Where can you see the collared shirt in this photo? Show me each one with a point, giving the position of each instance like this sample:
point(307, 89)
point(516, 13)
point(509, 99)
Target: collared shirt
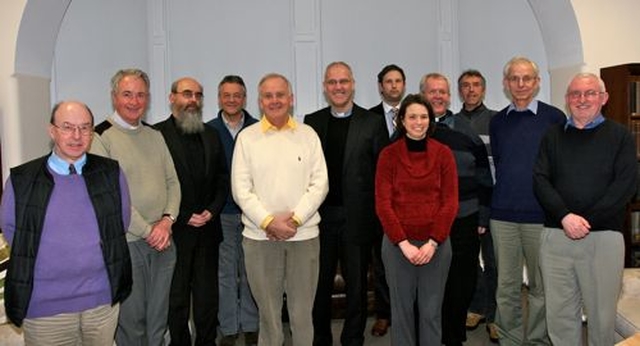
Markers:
point(60, 166)
point(599, 119)
point(532, 106)
point(389, 116)
point(266, 125)
point(343, 114)
point(233, 130)
point(118, 119)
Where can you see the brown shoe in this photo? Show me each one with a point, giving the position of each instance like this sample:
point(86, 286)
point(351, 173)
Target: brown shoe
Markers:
point(473, 320)
point(492, 329)
point(381, 327)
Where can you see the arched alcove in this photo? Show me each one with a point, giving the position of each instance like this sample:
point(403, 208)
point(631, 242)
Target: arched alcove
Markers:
point(42, 20)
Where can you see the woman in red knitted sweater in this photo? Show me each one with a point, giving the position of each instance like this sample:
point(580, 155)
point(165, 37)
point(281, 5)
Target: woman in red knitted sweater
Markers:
point(417, 202)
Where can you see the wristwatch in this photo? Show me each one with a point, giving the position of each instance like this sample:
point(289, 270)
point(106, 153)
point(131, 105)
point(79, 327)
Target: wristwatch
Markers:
point(173, 219)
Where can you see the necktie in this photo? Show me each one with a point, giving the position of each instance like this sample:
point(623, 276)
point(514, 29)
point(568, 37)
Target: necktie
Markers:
point(72, 169)
point(394, 112)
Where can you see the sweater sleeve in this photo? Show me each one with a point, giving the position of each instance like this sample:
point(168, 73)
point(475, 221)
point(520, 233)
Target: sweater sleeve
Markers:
point(172, 182)
point(242, 185)
point(384, 194)
point(622, 186)
point(547, 195)
point(125, 200)
point(449, 204)
point(8, 212)
point(318, 182)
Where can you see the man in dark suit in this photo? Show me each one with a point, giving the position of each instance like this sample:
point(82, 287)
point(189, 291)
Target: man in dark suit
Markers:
point(391, 84)
point(352, 138)
point(199, 160)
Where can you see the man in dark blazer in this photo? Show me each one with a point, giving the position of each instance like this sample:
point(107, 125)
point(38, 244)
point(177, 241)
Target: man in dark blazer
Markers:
point(199, 160)
point(352, 138)
point(392, 85)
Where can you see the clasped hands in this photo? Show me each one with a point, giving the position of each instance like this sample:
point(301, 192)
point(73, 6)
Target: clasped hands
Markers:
point(282, 227)
point(575, 226)
point(418, 255)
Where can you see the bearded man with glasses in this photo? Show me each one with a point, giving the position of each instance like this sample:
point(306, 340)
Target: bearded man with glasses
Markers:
point(198, 157)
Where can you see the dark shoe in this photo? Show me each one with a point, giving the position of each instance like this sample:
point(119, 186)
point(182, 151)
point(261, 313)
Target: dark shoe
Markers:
point(380, 327)
point(228, 340)
point(251, 338)
point(473, 320)
point(492, 329)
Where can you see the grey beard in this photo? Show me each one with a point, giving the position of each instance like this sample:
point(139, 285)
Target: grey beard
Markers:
point(190, 122)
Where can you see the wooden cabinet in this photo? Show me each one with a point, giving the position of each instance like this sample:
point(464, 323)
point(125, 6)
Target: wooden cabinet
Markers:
point(623, 86)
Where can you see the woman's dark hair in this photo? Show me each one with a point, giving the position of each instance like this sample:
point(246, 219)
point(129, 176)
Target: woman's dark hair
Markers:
point(408, 101)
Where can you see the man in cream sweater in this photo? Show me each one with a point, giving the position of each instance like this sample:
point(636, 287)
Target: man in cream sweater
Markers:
point(279, 179)
point(155, 200)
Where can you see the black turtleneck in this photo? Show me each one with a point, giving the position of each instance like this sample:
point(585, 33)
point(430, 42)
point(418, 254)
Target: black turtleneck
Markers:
point(416, 145)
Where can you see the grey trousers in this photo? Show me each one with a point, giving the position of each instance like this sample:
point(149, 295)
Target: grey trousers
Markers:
point(585, 272)
point(144, 314)
point(422, 286)
point(278, 267)
point(515, 244)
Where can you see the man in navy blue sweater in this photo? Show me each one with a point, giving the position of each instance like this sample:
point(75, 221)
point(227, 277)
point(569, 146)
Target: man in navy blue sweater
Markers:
point(237, 312)
point(585, 175)
point(516, 216)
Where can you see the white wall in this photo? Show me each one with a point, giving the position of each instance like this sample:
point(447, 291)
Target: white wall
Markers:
point(609, 32)
point(609, 37)
point(438, 34)
point(209, 39)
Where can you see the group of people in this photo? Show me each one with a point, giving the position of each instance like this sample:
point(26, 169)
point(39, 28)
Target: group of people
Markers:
point(126, 230)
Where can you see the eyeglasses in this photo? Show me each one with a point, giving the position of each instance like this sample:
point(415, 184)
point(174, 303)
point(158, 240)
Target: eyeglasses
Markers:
point(69, 129)
point(523, 79)
point(589, 94)
point(189, 94)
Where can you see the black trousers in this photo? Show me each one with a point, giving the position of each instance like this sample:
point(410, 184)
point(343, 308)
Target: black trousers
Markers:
point(195, 277)
point(461, 282)
point(354, 261)
point(381, 288)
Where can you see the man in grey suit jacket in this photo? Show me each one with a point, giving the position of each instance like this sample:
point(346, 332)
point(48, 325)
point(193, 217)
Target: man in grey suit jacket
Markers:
point(352, 138)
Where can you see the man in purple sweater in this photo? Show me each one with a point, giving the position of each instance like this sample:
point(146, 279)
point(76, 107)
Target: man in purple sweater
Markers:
point(65, 215)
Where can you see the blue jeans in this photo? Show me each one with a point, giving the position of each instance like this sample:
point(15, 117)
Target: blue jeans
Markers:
point(237, 311)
